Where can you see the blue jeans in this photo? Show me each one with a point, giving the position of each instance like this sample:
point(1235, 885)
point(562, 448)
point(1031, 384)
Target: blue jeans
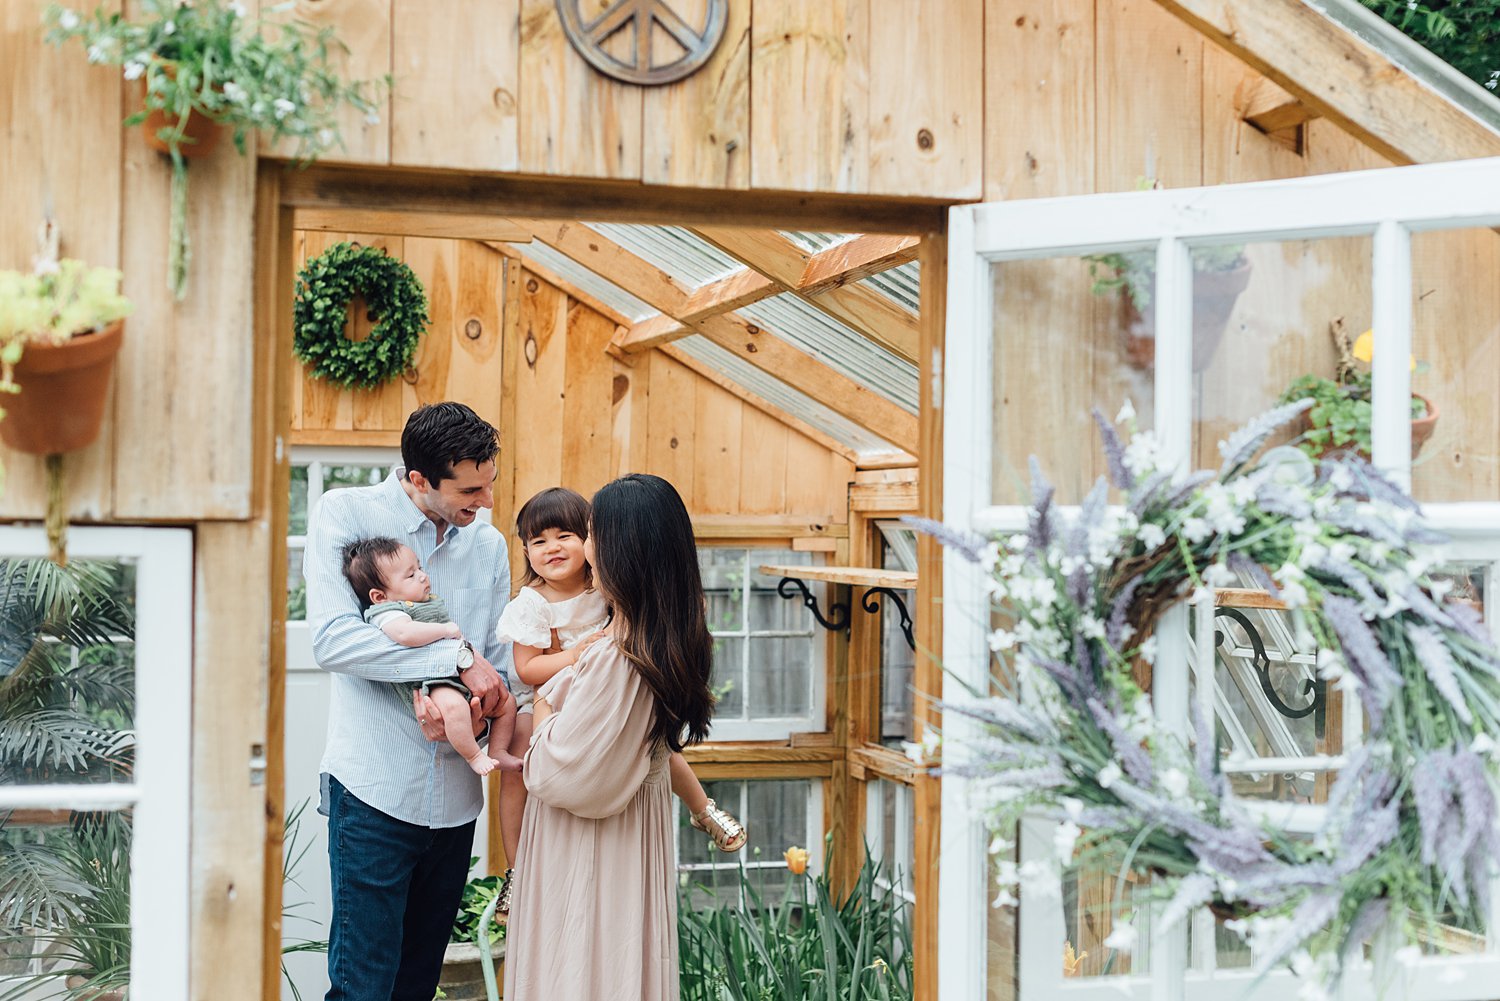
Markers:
point(396, 889)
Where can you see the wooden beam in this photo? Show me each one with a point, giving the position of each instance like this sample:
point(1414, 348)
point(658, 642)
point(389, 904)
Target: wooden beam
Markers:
point(767, 526)
point(1269, 109)
point(859, 307)
point(826, 271)
point(766, 407)
point(1341, 77)
point(384, 222)
point(755, 344)
point(556, 280)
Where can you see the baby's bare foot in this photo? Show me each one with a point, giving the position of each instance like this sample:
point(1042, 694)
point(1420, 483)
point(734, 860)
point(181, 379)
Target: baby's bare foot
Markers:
point(483, 764)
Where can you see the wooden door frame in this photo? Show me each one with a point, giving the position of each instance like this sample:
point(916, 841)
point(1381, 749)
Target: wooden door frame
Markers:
point(461, 197)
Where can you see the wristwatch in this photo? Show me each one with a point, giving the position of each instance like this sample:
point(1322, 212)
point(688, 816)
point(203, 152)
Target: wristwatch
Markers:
point(465, 656)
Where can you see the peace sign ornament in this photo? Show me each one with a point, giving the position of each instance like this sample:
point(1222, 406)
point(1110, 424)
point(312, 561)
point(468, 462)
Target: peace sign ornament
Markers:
point(641, 17)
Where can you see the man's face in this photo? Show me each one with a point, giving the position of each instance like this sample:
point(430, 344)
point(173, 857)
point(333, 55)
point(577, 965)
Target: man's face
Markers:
point(458, 498)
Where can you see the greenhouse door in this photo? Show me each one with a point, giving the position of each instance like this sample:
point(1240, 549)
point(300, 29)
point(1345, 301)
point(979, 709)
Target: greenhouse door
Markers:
point(95, 710)
point(1199, 308)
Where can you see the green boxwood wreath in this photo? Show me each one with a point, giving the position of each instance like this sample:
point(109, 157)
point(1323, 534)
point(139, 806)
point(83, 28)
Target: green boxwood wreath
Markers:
point(325, 287)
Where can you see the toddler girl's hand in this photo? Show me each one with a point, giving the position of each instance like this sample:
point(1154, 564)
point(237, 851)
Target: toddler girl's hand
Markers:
point(584, 644)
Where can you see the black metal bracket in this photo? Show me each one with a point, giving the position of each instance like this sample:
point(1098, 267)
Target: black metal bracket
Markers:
point(1317, 688)
point(838, 616)
point(838, 610)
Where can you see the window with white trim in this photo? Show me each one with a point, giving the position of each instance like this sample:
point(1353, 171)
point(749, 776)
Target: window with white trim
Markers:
point(315, 471)
point(768, 651)
point(778, 814)
point(1233, 292)
point(95, 695)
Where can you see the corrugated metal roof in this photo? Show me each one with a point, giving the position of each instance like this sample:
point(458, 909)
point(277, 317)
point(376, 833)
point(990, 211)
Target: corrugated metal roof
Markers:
point(606, 292)
point(682, 255)
point(900, 284)
point(779, 394)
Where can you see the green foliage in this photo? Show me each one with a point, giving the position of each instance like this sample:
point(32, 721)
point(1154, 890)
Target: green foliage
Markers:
point(1340, 414)
point(478, 892)
point(272, 76)
point(1463, 33)
point(810, 945)
point(390, 289)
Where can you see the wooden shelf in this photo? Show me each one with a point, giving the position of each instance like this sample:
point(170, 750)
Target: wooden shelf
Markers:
point(858, 576)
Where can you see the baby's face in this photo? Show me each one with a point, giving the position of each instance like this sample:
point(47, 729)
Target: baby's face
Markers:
point(405, 580)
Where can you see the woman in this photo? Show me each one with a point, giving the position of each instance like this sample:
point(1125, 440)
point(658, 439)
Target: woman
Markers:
point(594, 912)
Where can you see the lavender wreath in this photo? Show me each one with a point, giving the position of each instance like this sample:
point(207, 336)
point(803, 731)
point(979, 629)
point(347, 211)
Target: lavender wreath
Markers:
point(1409, 835)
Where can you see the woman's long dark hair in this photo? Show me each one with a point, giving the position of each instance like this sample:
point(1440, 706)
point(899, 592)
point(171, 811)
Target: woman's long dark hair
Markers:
point(646, 564)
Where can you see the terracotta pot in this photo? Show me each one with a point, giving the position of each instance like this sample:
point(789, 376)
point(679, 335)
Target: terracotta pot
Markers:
point(1421, 430)
point(75, 982)
point(463, 975)
point(200, 135)
point(1214, 296)
point(63, 388)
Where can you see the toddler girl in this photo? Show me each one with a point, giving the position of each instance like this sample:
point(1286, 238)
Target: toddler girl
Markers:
point(555, 617)
point(397, 597)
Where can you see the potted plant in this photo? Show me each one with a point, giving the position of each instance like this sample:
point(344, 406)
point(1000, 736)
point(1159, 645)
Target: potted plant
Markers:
point(463, 969)
point(1220, 275)
point(60, 329)
point(1339, 419)
point(205, 66)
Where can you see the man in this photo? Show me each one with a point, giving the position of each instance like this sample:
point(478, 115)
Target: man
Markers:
point(400, 805)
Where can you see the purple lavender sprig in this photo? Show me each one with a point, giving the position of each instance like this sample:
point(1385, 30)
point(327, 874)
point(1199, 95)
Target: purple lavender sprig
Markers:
point(1246, 441)
point(1114, 453)
point(969, 545)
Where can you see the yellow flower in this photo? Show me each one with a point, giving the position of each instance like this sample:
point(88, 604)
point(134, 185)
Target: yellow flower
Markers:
point(1072, 961)
point(1364, 349)
point(796, 860)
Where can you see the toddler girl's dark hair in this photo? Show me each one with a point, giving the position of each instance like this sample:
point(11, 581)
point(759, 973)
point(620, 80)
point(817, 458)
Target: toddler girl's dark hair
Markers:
point(556, 507)
point(362, 565)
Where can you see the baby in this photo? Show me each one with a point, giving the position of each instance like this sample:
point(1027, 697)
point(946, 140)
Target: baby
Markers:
point(397, 597)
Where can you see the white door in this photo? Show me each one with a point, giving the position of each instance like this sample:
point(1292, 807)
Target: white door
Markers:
point(1200, 306)
point(95, 685)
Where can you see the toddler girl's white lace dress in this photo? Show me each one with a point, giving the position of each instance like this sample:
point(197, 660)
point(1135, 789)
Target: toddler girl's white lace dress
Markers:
point(530, 619)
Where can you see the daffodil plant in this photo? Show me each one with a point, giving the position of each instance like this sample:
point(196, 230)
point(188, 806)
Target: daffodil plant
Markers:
point(1341, 411)
point(208, 57)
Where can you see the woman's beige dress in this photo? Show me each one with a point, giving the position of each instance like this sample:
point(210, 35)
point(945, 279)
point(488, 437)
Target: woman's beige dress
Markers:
point(594, 912)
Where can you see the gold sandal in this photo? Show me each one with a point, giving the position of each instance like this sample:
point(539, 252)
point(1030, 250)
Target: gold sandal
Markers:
point(727, 833)
point(502, 909)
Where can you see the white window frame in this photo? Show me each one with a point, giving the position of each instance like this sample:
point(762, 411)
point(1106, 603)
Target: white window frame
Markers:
point(773, 727)
point(769, 858)
point(898, 873)
point(159, 792)
point(1389, 205)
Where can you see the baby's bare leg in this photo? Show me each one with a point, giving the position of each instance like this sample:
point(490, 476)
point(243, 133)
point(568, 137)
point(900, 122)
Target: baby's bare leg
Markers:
point(686, 785)
point(502, 729)
point(458, 725)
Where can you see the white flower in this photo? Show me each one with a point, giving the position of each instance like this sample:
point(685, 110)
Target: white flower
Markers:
point(1109, 775)
point(1290, 578)
point(282, 107)
point(1152, 535)
point(98, 52)
point(1483, 744)
point(1002, 639)
point(1063, 840)
point(1091, 627)
point(913, 751)
point(1330, 665)
point(1196, 529)
point(237, 9)
point(1127, 411)
point(1073, 808)
point(1142, 452)
point(1005, 899)
point(989, 556)
point(1148, 650)
point(1219, 575)
point(1123, 937)
point(999, 844)
point(1174, 783)
point(67, 20)
point(234, 92)
point(133, 69)
point(170, 28)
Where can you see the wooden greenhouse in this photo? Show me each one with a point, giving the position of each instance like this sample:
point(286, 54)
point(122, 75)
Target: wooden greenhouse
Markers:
point(845, 272)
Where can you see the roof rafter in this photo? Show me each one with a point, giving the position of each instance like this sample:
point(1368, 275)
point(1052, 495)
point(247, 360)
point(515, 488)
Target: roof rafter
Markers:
point(1340, 76)
point(731, 331)
point(829, 273)
point(819, 279)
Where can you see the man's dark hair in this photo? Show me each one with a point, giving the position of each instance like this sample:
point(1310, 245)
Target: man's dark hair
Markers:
point(362, 566)
point(439, 435)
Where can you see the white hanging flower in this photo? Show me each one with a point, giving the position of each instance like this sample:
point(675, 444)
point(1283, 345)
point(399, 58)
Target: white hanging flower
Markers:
point(1122, 937)
point(1148, 650)
point(282, 107)
point(67, 20)
point(234, 92)
point(1005, 899)
point(98, 52)
point(1002, 639)
point(133, 69)
point(1109, 775)
point(1064, 839)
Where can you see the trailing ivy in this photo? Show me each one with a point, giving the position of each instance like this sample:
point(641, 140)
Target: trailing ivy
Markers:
point(1463, 33)
point(390, 289)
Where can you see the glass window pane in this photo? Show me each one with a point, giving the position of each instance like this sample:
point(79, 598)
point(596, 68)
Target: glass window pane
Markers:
point(1456, 353)
point(897, 659)
point(775, 812)
point(1070, 334)
point(66, 907)
point(67, 670)
point(298, 498)
point(728, 677)
point(296, 585)
point(780, 676)
point(353, 476)
point(1264, 322)
point(723, 573)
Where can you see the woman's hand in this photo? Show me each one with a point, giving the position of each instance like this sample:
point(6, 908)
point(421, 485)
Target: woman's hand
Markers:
point(584, 644)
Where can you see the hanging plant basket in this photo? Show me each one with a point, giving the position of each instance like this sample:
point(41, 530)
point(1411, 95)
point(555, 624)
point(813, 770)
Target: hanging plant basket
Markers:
point(327, 285)
point(1214, 296)
point(200, 134)
point(60, 407)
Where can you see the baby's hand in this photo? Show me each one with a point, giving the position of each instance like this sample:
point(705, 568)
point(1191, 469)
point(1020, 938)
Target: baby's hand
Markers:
point(454, 632)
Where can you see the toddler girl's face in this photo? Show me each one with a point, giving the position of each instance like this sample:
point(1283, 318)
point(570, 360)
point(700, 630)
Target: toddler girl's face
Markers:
point(405, 580)
point(556, 555)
